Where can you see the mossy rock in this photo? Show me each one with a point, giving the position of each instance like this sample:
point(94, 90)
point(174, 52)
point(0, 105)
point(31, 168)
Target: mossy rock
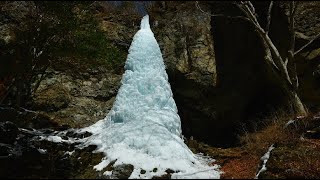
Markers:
point(52, 98)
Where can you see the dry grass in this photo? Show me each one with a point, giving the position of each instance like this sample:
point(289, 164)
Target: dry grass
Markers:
point(293, 157)
point(273, 132)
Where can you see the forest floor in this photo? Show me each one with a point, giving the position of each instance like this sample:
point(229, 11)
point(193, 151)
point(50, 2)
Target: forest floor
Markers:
point(296, 153)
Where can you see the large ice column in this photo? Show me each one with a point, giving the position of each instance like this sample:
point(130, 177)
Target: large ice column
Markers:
point(145, 93)
point(143, 127)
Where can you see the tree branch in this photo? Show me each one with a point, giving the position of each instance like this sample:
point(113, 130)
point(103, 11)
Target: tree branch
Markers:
point(276, 58)
point(316, 37)
point(291, 25)
point(289, 62)
point(251, 7)
point(277, 61)
point(8, 90)
point(249, 13)
point(269, 17)
point(40, 79)
point(221, 15)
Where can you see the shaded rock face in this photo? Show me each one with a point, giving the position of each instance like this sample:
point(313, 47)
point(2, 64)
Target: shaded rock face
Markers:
point(76, 101)
point(28, 119)
point(245, 91)
point(186, 43)
point(309, 76)
point(12, 16)
point(308, 61)
point(308, 72)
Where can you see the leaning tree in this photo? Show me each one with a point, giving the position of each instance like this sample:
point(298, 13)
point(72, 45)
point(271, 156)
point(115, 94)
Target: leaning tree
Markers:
point(282, 67)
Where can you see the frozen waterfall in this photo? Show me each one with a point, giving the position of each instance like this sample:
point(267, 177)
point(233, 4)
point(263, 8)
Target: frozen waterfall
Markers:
point(143, 127)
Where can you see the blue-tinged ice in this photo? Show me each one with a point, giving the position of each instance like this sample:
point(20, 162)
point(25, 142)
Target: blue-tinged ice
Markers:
point(143, 127)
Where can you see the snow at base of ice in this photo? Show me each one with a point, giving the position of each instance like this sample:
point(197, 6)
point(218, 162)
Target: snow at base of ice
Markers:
point(143, 127)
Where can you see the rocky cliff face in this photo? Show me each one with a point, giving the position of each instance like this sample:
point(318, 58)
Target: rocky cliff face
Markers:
point(186, 43)
point(76, 101)
point(215, 68)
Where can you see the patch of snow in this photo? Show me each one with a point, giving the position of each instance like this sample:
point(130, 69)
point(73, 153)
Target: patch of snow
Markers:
point(265, 158)
point(42, 151)
point(288, 123)
point(101, 165)
point(107, 173)
point(143, 127)
point(205, 159)
point(69, 153)
point(56, 139)
point(300, 117)
point(39, 53)
point(27, 110)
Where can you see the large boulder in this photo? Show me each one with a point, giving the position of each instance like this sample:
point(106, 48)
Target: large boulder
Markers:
point(76, 101)
point(52, 98)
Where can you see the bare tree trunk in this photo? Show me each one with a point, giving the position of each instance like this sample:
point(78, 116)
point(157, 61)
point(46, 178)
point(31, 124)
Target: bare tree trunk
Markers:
point(287, 74)
point(296, 104)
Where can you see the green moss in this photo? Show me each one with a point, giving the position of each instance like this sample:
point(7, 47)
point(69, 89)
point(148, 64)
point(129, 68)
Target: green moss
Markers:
point(81, 39)
point(96, 50)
